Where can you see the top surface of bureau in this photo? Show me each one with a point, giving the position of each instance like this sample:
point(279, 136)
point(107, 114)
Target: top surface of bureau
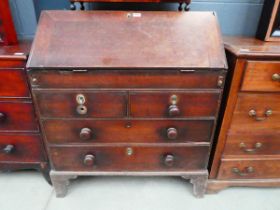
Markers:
point(124, 40)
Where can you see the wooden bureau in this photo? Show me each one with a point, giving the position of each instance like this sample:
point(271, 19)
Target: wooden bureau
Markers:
point(21, 146)
point(125, 93)
point(248, 147)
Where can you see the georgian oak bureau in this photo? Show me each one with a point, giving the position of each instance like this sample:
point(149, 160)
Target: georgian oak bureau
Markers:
point(125, 93)
point(248, 149)
point(21, 146)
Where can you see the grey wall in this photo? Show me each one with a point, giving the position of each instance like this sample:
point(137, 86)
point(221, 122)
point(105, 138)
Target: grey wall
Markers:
point(237, 17)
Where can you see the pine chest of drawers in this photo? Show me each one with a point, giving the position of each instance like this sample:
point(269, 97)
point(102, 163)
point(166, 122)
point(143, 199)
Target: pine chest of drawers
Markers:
point(124, 93)
point(248, 147)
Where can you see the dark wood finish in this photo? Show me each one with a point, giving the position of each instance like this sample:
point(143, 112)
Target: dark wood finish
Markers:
point(248, 139)
point(269, 25)
point(147, 103)
point(120, 78)
point(13, 83)
point(189, 104)
point(102, 104)
point(21, 146)
point(26, 148)
point(17, 116)
point(7, 31)
point(150, 46)
point(260, 168)
point(126, 131)
point(144, 158)
point(259, 76)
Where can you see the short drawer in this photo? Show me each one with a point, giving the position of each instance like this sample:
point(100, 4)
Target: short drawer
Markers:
point(127, 131)
point(20, 148)
point(253, 144)
point(249, 169)
point(17, 116)
point(126, 79)
point(174, 104)
point(117, 158)
point(81, 104)
point(262, 76)
point(256, 112)
point(13, 83)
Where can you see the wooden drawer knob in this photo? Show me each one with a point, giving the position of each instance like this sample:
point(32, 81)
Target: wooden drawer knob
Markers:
point(169, 160)
point(172, 133)
point(86, 134)
point(9, 149)
point(247, 171)
point(89, 160)
point(173, 110)
point(2, 117)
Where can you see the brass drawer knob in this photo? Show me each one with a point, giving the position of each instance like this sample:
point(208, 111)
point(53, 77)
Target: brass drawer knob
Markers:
point(86, 134)
point(9, 149)
point(276, 77)
point(89, 160)
point(169, 160)
point(129, 151)
point(2, 117)
point(257, 146)
point(173, 110)
point(253, 113)
point(247, 171)
point(172, 133)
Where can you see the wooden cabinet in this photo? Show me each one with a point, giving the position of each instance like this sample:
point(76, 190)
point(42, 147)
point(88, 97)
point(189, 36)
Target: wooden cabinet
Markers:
point(248, 147)
point(116, 104)
point(21, 146)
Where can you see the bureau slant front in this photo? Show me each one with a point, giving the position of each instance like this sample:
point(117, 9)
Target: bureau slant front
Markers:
point(125, 93)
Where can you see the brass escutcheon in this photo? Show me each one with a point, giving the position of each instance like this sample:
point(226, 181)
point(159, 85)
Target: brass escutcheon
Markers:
point(81, 99)
point(129, 151)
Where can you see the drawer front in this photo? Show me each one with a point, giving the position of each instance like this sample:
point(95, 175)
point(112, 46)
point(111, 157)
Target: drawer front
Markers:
point(249, 169)
point(13, 83)
point(256, 112)
point(180, 158)
point(262, 76)
point(17, 116)
point(174, 104)
point(12, 63)
point(64, 104)
point(20, 148)
point(133, 131)
point(253, 144)
point(126, 79)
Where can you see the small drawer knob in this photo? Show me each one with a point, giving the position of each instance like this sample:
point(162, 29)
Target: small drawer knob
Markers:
point(9, 149)
point(2, 117)
point(89, 160)
point(169, 160)
point(276, 77)
point(173, 110)
point(81, 109)
point(86, 134)
point(172, 133)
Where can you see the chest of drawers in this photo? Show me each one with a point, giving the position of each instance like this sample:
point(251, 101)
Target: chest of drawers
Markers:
point(123, 93)
point(21, 146)
point(248, 147)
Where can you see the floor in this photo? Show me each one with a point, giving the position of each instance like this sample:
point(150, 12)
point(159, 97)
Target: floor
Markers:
point(28, 190)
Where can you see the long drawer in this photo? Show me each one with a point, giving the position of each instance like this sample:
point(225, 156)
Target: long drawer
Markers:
point(90, 158)
point(13, 83)
point(17, 116)
point(262, 76)
point(256, 112)
point(173, 104)
point(127, 131)
point(264, 143)
point(126, 79)
point(249, 168)
point(20, 148)
point(82, 104)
